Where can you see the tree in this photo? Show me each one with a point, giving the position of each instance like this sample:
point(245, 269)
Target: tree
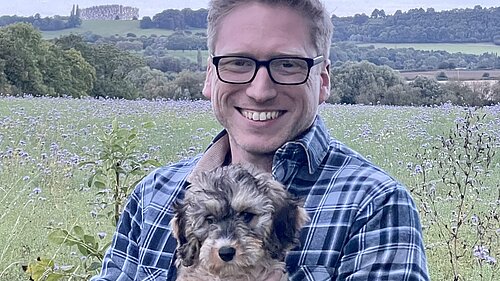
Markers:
point(22, 50)
point(429, 90)
point(375, 14)
point(112, 66)
point(363, 82)
point(38, 67)
point(67, 73)
point(169, 19)
point(146, 23)
point(189, 85)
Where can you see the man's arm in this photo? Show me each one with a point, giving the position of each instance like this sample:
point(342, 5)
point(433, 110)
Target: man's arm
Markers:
point(121, 259)
point(387, 242)
point(383, 241)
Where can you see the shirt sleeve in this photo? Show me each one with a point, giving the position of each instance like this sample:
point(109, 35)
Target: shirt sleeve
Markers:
point(386, 240)
point(121, 259)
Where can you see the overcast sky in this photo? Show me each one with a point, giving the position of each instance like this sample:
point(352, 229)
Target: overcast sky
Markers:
point(152, 7)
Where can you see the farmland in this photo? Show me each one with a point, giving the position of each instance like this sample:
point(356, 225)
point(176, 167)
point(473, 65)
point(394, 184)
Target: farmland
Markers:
point(466, 48)
point(42, 141)
point(122, 27)
point(107, 28)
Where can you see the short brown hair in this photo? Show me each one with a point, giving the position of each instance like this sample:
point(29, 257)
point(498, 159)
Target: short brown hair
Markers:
point(313, 10)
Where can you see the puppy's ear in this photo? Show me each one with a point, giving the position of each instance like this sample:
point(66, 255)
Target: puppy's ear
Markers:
point(288, 220)
point(188, 247)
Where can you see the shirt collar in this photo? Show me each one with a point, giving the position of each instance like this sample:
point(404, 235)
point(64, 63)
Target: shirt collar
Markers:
point(314, 142)
point(215, 156)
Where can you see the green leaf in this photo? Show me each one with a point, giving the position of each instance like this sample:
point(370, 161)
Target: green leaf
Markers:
point(54, 277)
point(114, 124)
point(89, 239)
point(58, 236)
point(152, 162)
point(117, 148)
point(99, 184)
point(78, 230)
point(149, 125)
point(91, 179)
point(83, 250)
point(94, 266)
point(132, 137)
point(81, 164)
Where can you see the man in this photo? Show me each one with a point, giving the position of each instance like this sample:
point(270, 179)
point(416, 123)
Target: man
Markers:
point(267, 75)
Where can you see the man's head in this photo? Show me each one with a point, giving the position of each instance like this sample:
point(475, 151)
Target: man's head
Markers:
point(320, 24)
point(266, 74)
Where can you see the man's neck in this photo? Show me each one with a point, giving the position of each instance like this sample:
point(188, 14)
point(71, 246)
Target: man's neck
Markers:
point(263, 162)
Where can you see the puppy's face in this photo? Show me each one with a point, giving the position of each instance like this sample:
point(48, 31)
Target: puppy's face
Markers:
point(233, 218)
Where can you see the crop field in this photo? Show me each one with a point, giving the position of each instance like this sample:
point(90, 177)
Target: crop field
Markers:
point(108, 28)
point(456, 74)
point(43, 184)
point(466, 48)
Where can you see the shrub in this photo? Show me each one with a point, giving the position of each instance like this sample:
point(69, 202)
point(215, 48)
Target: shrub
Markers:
point(441, 76)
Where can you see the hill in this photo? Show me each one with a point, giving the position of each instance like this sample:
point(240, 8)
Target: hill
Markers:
point(107, 28)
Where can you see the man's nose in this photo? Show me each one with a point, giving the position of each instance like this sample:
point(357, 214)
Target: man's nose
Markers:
point(262, 87)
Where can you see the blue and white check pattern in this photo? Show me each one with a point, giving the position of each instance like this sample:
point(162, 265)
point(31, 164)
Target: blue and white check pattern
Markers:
point(364, 224)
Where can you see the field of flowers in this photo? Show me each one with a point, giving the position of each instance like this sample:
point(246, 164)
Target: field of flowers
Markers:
point(447, 156)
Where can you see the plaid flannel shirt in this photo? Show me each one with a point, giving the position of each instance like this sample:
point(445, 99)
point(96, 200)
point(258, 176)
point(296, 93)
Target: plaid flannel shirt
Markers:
point(363, 224)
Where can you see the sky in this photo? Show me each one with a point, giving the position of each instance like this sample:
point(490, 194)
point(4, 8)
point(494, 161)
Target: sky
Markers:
point(152, 7)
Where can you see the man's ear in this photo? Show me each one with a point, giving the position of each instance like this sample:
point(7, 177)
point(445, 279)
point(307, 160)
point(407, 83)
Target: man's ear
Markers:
point(207, 87)
point(324, 91)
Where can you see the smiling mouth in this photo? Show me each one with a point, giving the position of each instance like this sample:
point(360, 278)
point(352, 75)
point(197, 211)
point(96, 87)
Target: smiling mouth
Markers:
point(260, 115)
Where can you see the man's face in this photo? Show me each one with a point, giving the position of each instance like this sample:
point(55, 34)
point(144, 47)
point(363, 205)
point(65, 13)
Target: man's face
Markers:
point(260, 116)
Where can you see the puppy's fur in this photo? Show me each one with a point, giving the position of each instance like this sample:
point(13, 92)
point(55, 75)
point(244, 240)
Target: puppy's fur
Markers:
point(235, 223)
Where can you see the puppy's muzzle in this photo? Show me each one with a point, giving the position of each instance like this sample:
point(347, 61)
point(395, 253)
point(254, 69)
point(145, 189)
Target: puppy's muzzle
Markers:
point(227, 253)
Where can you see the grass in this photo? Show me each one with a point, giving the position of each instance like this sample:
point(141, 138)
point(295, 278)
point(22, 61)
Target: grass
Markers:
point(42, 139)
point(466, 48)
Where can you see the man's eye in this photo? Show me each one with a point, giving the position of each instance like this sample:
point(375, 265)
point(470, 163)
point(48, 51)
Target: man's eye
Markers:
point(290, 64)
point(240, 63)
point(246, 216)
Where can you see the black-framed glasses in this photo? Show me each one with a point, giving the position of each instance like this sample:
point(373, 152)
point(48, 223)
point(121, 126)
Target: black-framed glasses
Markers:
point(282, 70)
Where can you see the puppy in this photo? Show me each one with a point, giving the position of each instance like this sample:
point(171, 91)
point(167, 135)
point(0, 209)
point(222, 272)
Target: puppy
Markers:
point(235, 223)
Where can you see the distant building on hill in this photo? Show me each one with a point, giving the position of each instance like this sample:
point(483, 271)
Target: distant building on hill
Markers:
point(109, 12)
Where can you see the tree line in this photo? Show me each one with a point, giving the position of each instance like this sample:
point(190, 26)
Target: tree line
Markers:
point(174, 19)
point(409, 59)
point(109, 12)
point(469, 25)
point(366, 83)
point(415, 25)
point(156, 49)
point(46, 23)
point(69, 66)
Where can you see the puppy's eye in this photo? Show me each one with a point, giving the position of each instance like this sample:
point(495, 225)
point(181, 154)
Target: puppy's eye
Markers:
point(210, 220)
point(246, 216)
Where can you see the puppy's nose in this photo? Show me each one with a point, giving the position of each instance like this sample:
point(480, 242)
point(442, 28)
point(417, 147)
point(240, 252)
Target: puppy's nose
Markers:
point(227, 253)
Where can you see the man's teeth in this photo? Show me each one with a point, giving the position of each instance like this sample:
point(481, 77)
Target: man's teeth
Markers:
point(260, 116)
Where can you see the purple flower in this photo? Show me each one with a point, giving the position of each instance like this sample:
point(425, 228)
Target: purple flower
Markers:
point(483, 254)
point(101, 234)
point(418, 169)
